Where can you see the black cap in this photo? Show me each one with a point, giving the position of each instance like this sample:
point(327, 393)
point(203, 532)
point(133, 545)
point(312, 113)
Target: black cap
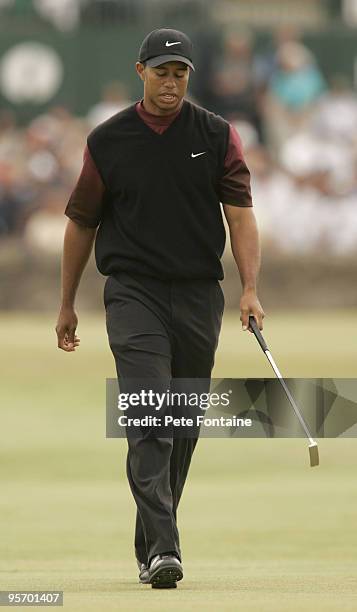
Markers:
point(165, 45)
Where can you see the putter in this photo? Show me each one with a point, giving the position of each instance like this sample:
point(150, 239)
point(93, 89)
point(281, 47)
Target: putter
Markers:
point(313, 448)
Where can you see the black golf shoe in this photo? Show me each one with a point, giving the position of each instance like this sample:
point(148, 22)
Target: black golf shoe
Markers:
point(143, 573)
point(165, 571)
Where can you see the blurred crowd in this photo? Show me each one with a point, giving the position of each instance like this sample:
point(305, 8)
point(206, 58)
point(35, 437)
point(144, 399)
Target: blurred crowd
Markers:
point(299, 132)
point(299, 135)
point(68, 15)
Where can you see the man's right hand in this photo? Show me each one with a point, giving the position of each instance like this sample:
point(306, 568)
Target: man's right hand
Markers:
point(66, 328)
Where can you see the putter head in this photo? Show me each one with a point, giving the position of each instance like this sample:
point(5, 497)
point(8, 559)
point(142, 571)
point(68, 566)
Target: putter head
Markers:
point(314, 454)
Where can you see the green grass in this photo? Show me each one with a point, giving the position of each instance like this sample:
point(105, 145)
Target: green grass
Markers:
point(260, 530)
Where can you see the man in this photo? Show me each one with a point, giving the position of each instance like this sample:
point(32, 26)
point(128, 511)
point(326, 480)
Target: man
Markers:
point(153, 179)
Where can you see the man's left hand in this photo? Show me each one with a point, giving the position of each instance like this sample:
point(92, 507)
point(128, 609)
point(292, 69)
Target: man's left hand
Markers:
point(250, 305)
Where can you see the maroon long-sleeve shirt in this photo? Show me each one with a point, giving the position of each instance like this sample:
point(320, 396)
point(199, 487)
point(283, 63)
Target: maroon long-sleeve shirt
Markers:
point(87, 199)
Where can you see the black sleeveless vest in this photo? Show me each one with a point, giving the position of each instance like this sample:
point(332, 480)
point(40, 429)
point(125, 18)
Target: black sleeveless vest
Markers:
point(161, 214)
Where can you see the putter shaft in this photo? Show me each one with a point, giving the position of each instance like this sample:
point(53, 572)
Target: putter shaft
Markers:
point(313, 448)
point(289, 396)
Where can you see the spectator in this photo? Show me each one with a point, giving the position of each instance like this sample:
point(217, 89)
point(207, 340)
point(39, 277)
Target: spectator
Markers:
point(325, 152)
point(13, 201)
point(265, 64)
point(64, 15)
point(233, 86)
point(44, 231)
point(114, 99)
point(293, 90)
point(335, 117)
point(297, 82)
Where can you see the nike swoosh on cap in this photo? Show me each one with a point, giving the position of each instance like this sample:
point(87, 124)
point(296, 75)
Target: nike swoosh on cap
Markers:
point(197, 154)
point(169, 44)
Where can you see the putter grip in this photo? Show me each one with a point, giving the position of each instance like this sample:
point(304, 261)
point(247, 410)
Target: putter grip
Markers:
point(256, 331)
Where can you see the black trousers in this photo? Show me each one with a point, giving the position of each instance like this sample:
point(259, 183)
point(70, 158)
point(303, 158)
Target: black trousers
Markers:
point(161, 330)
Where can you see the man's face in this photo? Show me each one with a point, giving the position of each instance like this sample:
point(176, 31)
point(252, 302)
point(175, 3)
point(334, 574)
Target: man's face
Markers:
point(165, 85)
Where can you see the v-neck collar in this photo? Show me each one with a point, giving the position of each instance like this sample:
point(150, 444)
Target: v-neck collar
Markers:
point(169, 129)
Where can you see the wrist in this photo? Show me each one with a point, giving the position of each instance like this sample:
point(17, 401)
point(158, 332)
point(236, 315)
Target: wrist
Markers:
point(67, 305)
point(249, 289)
